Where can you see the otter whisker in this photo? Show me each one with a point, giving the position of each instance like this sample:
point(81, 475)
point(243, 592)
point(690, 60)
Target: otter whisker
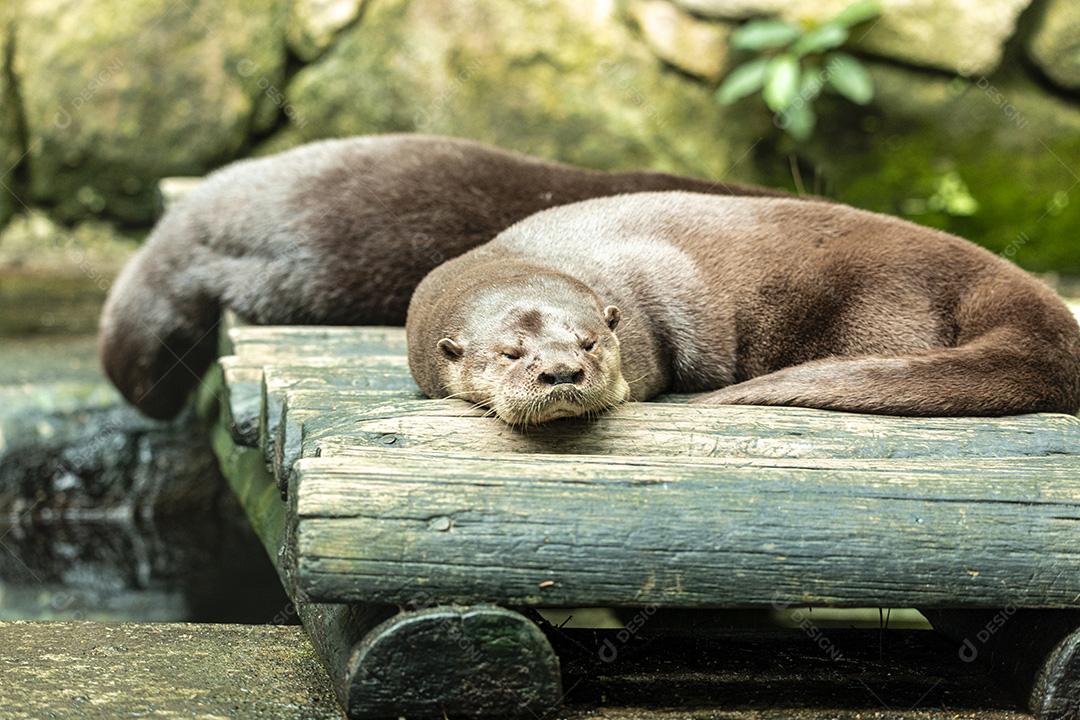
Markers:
point(456, 395)
point(476, 406)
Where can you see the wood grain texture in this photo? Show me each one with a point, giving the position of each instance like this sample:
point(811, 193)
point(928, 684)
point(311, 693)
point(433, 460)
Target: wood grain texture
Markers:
point(299, 341)
point(330, 424)
point(242, 400)
point(611, 531)
point(693, 430)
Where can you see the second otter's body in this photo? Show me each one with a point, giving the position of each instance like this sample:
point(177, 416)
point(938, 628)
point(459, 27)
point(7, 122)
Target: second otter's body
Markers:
point(764, 301)
point(334, 232)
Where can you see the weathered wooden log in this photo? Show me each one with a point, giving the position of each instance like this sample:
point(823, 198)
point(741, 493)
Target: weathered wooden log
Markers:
point(610, 531)
point(478, 661)
point(248, 350)
point(317, 422)
point(276, 341)
point(366, 380)
point(242, 396)
point(689, 430)
point(1035, 652)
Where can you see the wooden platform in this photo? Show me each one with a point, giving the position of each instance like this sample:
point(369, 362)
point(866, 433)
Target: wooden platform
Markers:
point(372, 499)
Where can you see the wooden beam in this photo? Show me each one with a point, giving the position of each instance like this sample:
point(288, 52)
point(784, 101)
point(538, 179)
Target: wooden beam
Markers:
point(314, 341)
point(317, 422)
point(613, 531)
point(685, 430)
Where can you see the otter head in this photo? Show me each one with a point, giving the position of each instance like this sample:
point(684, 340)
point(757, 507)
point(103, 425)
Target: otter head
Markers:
point(534, 362)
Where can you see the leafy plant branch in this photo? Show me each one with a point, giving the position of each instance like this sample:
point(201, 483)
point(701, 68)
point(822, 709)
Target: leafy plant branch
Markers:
point(795, 63)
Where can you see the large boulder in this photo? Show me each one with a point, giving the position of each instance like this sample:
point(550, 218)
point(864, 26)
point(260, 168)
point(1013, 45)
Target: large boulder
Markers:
point(117, 93)
point(313, 24)
point(1055, 43)
point(557, 78)
point(990, 159)
point(694, 46)
point(965, 36)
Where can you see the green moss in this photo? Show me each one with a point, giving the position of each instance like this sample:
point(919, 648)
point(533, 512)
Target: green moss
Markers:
point(929, 141)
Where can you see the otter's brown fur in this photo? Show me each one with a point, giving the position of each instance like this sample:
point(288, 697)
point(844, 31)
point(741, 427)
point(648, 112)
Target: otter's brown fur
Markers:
point(766, 302)
point(335, 232)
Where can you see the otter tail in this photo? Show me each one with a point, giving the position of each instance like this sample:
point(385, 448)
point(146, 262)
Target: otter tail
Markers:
point(1006, 371)
point(157, 334)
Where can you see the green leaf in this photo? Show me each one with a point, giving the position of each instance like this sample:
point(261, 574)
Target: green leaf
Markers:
point(798, 121)
point(781, 82)
point(849, 78)
point(826, 37)
point(764, 35)
point(744, 80)
point(857, 12)
point(812, 82)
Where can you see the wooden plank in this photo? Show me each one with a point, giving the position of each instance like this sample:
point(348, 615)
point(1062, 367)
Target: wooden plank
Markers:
point(336, 380)
point(242, 390)
point(326, 423)
point(371, 380)
point(302, 342)
point(695, 430)
point(612, 531)
point(350, 355)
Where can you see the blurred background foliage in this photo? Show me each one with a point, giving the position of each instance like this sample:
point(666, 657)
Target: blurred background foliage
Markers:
point(960, 114)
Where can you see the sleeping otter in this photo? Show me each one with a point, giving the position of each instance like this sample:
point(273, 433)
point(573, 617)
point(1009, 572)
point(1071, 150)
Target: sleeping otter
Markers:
point(335, 232)
point(764, 301)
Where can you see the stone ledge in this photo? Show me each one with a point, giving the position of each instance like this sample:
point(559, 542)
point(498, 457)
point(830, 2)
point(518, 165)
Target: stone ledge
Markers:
point(205, 671)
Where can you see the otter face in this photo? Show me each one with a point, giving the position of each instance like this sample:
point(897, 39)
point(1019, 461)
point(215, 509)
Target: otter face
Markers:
point(531, 365)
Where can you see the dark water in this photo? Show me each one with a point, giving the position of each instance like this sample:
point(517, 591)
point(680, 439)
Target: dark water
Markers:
point(205, 568)
point(105, 515)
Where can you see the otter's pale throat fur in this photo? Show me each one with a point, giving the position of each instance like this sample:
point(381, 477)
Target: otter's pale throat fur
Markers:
point(758, 301)
point(336, 232)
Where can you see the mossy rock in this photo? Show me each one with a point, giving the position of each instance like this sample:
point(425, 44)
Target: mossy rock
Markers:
point(946, 34)
point(118, 94)
point(551, 78)
point(989, 159)
point(313, 24)
point(10, 142)
point(1055, 43)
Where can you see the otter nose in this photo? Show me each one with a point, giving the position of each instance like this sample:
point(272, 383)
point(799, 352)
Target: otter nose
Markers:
point(559, 374)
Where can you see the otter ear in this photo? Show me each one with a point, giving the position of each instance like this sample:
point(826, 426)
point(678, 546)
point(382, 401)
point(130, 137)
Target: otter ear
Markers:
point(612, 315)
point(451, 349)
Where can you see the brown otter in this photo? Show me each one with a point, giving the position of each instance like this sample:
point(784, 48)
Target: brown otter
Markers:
point(761, 301)
point(335, 232)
